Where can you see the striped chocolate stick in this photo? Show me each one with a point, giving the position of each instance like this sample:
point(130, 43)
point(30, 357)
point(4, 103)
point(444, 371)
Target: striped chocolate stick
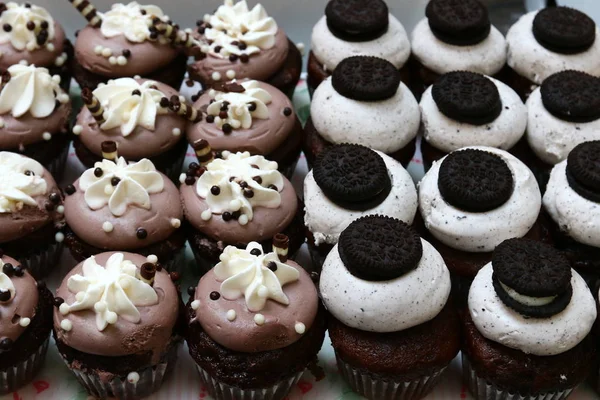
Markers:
point(173, 34)
point(89, 12)
point(93, 104)
point(109, 150)
point(203, 151)
point(281, 243)
point(147, 273)
point(185, 109)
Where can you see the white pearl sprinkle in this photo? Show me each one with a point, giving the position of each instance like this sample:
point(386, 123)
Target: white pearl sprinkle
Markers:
point(112, 60)
point(235, 205)
point(216, 76)
point(59, 237)
point(182, 178)
point(137, 77)
point(106, 52)
point(175, 223)
point(243, 219)
point(206, 215)
point(176, 131)
point(60, 209)
point(47, 136)
point(133, 377)
point(64, 309)
point(50, 47)
point(24, 322)
point(230, 74)
point(100, 306)
point(56, 79)
point(24, 62)
point(231, 315)
point(121, 60)
point(98, 49)
point(63, 98)
point(109, 189)
point(212, 93)
point(259, 319)
point(152, 259)
point(300, 328)
point(77, 129)
point(195, 304)
point(111, 317)
point(66, 325)
point(107, 227)
point(30, 46)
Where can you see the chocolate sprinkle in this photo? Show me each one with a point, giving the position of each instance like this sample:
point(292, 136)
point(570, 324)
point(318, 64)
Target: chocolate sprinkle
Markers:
point(4, 296)
point(190, 180)
point(272, 265)
point(191, 290)
point(19, 271)
point(227, 129)
point(227, 216)
point(141, 233)
point(98, 172)
point(215, 190)
point(215, 295)
point(70, 189)
point(126, 53)
point(115, 181)
point(255, 252)
point(8, 269)
point(7, 28)
point(55, 198)
point(287, 111)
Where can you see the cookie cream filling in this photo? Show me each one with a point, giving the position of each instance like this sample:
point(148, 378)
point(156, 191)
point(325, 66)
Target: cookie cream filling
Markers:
point(481, 231)
point(533, 61)
point(527, 300)
point(537, 336)
point(448, 135)
point(331, 50)
point(486, 57)
point(386, 125)
point(20, 18)
point(240, 107)
point(326, 220)
point(131, 20)
point(20, 181)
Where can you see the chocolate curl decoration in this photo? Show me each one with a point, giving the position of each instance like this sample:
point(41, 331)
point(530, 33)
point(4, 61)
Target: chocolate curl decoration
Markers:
point(147, 273)
point(109, 150)
point(185, 109)
point(93, 104)
point(173, 34)
point(89, 12)
point(281, 243)
point(203, 151)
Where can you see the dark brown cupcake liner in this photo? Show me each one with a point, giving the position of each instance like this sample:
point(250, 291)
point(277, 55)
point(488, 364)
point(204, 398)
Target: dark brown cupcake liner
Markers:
point(40, 262)
point(56, 167)
point(22, 373)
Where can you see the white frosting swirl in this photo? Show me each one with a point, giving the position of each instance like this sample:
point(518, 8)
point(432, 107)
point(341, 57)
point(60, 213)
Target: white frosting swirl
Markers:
point(576, 216)
point(486, 57)
point(481, 231)
point(386, 306)
point(386, 125)
point(238, 114)
point(126, 111)
point(231, 197)
point(6, 284)
point(330, 50)
point(326, 220)
point(552, 138)
point(136, 182)
point(17, 16)
point(535, 62)
point(16, 188)
point(128, 20)
point(235, 22)
point(448, 135)
point(30, 89)
point(112, 291)
point(537, 336)
point(244, 274)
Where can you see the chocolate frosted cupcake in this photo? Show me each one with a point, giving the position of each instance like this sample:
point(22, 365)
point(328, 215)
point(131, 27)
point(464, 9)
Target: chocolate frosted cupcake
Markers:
point(235, 200)
point(25, 324)
point(254, 324)
point(120, 206)
point(526, 331)
point(116, 325)
point(363, 102)
point(236, 42)
point(31, 214)
point(34, 116)
point(134, 113)
point(357, 27)
point(348, 182)
point(474, 199)
point(30, 36)
point(455, 35)
point(393, 328)
point(548, 41)
point(250, 116)
point(128, 40)
point(468, 109)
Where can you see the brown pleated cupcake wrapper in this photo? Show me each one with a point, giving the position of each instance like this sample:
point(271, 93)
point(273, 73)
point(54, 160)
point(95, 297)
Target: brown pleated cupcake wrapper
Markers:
point(484, 390)
point(173, 171)
point(57, 166)
point(22, 373)
point(177, 262)
point(289, 170)
point(40, 262)
point(223, 391)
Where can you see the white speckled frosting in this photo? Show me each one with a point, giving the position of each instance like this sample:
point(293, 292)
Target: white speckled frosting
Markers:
point(330, 50)
point(486, 57)
point(533, 61)
point(386, 306)
point(538, 336)
point(386, 125)
point(326, 220)
point(481, 232)
point(552, 138)
point(448, 135)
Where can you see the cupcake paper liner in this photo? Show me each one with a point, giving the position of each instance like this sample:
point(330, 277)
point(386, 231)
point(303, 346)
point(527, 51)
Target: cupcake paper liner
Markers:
point(223, 391)
point(177, 262)
point(173, 171)
point(40, 262)
point(57, 166)
point(485, 390)
point(375, 388)
point(22, 373)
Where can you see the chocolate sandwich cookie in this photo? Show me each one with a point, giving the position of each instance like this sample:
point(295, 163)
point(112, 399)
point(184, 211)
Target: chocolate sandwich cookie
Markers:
point(458, 22)
point(357, 20)
point(366, 78)
point(572, 96)
point(583, 170)
point(564, 30)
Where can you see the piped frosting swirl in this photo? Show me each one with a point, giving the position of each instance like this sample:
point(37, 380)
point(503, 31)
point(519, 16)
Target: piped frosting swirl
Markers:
point(22, 17)
point(241, 107)
point(130, 20)
point(20, 181)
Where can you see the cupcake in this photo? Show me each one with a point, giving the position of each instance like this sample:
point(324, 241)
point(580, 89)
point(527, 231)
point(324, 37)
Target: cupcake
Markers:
point(363, 102)
point(357, 27)
point(121, 206)
point(129, 40)
point(468, 109)
point(116, 325)
point(34, 116)
point(25, 325)
point(31, 214)
point(135, 114)
point(348, 182)
point(254, 324)
point(250, 116)
point(30, 36)
point(455, 35)
point(236, 42)
point(525, 334)
point(392, 327)
point(237, 199)
point(471, 201)
point(544, 42)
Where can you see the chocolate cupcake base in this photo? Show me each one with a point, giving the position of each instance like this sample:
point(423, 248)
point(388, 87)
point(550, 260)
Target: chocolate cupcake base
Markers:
point(19, 375)
point(52, 154)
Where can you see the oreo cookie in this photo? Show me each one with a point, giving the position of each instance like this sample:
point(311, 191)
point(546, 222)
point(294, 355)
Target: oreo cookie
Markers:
point(352, 176)
point(475, 180)
point(366, 78)
point(467, 97)
point(458, 22)
point(532, 269)
point(357, 20)
point(564, 30)
point(583, 170)
point(378, 248)
point(572, 96)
